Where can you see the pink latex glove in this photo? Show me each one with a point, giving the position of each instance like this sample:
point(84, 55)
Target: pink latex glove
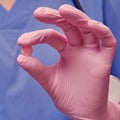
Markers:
point(78, 83)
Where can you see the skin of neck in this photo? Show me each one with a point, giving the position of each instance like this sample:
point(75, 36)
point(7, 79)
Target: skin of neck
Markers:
point(7, 4)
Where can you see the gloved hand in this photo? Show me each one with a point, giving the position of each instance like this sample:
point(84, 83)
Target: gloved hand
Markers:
point(78, 83)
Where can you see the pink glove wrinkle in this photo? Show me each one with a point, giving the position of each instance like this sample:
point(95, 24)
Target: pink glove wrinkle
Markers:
point(78, 83)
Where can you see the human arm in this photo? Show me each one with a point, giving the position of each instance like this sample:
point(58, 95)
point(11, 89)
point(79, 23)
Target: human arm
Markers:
point(78, 83)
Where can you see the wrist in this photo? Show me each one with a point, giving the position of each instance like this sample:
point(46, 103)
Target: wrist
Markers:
point(113, 111)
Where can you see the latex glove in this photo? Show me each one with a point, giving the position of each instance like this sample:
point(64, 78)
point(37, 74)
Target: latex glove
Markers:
point(78, 83)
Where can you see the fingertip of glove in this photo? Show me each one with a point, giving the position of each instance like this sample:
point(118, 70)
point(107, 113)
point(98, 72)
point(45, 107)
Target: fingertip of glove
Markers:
point(44, 11)
point(20, 59)
point(63, 8)
point(21, 40)
point(38, 12)
point(92, 24)
point(47, 15)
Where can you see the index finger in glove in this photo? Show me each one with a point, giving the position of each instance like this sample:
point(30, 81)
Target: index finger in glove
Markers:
point(48, 36)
